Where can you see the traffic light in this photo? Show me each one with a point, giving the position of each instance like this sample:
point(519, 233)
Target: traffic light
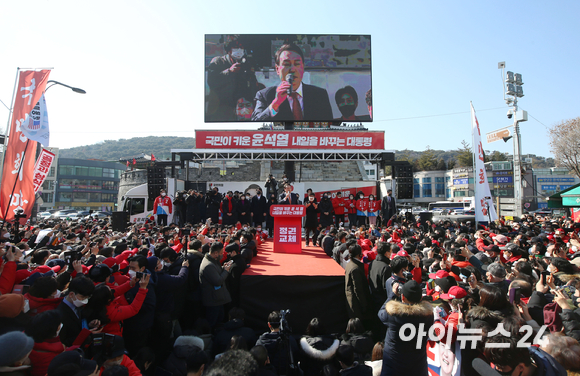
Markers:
point(404, 180)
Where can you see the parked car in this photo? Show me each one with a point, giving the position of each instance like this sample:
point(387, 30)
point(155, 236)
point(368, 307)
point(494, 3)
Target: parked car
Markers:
point(62, 213)
point(43, 215)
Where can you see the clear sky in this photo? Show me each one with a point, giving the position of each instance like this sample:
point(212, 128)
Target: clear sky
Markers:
point(141, 63)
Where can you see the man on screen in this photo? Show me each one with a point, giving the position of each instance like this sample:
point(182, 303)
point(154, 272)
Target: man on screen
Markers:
point(347, 101)
point(292, 99)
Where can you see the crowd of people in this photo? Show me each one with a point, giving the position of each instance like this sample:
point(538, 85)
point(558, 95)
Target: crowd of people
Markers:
point(81, 299)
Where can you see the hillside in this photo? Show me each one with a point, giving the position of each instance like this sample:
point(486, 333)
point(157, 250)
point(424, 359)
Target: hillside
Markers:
point(111, 150)
point(429, 159)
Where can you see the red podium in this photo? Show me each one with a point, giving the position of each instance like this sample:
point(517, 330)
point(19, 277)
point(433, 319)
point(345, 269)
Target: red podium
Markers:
point(287, 227)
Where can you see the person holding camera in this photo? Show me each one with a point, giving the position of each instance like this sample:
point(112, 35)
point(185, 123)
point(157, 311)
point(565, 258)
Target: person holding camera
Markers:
point(271, 185)
point(228, 77)
point(212, 277)
point(394, 284)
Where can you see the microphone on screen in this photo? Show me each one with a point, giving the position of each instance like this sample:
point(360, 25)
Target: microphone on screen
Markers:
point(290, 79)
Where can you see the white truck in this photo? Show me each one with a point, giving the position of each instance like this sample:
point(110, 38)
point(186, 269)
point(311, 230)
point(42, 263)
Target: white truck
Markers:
point(139, 207)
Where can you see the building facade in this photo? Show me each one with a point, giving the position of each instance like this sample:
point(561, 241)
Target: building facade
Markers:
point(87, 184)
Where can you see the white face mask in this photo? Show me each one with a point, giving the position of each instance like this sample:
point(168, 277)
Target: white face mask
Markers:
point(56, 294)
point(132, 273)
point(26, 306)
point(237, 53)
point(79, 303)
point(164, 263)
point(259, 229)
point(371, 199)
point(245, 228)
point(163, 194)
point(311, 198)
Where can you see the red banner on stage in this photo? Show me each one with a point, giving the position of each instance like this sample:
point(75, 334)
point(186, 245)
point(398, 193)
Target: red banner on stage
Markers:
point(295, 140)
point(287, 227)
point(17, 174)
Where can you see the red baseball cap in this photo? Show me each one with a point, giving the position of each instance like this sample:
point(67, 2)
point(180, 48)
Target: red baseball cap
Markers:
point(440, 274)
point(402, 253)
point(454, 292)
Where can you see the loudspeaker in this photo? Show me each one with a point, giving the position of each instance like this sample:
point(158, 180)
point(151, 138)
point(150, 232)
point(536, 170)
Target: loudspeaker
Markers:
point(119, 221)
point(155, 181)
point(404, 179)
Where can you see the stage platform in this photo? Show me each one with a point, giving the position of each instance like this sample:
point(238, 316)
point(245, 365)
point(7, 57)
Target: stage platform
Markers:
point(310, 284)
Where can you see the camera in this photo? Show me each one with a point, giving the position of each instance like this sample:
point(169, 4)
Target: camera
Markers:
point(510, 113)
point(139, 275)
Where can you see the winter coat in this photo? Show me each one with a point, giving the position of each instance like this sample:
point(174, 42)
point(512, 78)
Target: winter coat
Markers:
point(7, 277)
point(43, 353)
point(213, 282)
point(39, 305)
point(362, 343)
point(358, 294)
point(311, 215)
point(226, 209)
point(277, 353)
point(571, 323)
point(166, 286)
point(129, 364)
point(143, 320)
point(183, 348)
point(259, 207)
point(117, 312)
point(231, 328)
point(325, 207)
point(379, 273)
point(402, 357)
point(244, 206)
point(339, 206)
point(357, 370)
point(316, 352)
point(193, 287)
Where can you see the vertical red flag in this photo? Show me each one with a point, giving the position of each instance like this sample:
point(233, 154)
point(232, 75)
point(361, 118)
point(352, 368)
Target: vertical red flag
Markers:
point(134, 161)
point(127, 163)
point(18, 169)
point(152, 157)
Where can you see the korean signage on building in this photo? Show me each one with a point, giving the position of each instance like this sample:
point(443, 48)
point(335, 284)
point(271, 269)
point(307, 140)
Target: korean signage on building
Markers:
point(555, 180)
point(293, 140)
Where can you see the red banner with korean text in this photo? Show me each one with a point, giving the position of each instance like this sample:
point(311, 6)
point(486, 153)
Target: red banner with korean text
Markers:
point(42, 168)
point(292, 140)
point(17, 174)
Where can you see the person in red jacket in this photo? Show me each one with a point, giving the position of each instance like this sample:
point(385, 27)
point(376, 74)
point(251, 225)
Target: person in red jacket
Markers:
point(374, 207)
point(162, 207)
point(44, 329)
point(339, 206)
point(8, 269)
point(107, 305)
point(117, 357)
point(350, 209)
point(362, 205)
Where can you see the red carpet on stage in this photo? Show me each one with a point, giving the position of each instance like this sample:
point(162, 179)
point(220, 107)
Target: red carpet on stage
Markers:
point(311, 262)
point(310, 284)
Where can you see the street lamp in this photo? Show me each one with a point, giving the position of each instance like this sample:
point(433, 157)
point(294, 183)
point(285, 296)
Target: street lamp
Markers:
point(513, 89)
point(75, 89)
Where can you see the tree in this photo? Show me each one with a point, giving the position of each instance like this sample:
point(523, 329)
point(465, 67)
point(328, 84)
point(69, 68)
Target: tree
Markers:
point(565, 144)
point(427, 160)
point(441, 165)
point(464, 157)
point(495, 156)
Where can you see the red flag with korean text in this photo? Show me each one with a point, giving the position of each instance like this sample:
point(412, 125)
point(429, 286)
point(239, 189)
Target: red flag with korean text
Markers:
point(18, 169)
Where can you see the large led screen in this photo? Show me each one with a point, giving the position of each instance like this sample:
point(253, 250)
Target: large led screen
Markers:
point(279, 78)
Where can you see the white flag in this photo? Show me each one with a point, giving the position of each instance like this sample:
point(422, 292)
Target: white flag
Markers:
point(35, 126)
point(482, 205)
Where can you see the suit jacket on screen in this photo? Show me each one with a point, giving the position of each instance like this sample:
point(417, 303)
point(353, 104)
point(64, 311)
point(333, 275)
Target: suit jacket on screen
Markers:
point(316, 105)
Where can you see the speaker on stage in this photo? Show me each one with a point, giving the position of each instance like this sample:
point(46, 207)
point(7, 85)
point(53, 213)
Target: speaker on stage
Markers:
point(119, 221)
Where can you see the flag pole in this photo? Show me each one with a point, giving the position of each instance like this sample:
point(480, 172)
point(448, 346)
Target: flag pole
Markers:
point(471, 112)
point(8, 124)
